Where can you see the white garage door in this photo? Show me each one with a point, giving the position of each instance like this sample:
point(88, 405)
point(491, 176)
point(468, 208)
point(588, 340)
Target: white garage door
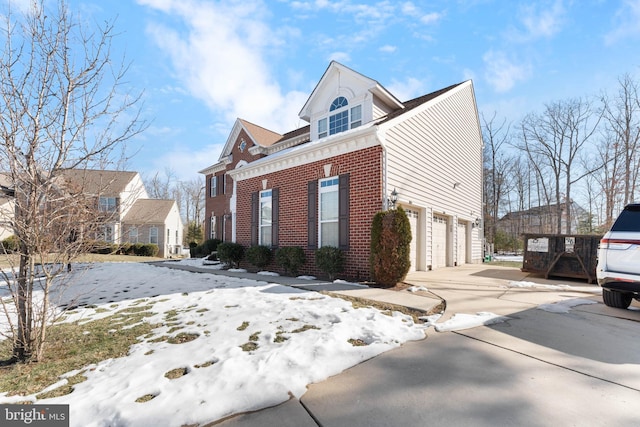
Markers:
point(462, 242)
point(439, 241)
point(413, 221)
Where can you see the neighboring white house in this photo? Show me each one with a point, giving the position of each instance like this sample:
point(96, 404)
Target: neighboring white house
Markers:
point(154, 221)
point(322, 184)
point(6, 207)
point(123, 196)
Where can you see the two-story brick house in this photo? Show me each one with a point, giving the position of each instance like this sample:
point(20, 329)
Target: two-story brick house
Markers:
point(321, 185)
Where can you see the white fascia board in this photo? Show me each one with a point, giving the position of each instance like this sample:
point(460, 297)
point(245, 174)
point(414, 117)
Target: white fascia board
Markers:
point(220, 166)
point(331, 146)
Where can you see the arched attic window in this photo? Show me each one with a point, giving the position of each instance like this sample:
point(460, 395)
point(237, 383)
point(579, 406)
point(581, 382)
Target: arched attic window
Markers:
point(339, 102)
point(343, 119)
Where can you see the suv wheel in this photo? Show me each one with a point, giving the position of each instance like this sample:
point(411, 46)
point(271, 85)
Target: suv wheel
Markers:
point(616, 299)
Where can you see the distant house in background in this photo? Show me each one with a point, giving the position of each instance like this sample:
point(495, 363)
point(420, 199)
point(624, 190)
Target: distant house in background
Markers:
point(543, 220)
point(322, 184)
point(7, 208)
point(132, 217)
point(154, 221)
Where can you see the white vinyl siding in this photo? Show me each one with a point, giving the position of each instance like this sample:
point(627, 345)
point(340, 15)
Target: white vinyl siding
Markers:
point(431, 151)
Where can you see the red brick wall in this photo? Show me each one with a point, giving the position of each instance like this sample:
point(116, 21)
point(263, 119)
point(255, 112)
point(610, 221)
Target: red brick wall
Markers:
point(365, 191)
point(220, 204)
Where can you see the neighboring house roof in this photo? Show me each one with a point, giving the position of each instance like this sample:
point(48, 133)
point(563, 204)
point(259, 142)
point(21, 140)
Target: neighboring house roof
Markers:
point(149, 211)
point(261, 136)
point(6, 187)
point(93, 181)
point(542, 210)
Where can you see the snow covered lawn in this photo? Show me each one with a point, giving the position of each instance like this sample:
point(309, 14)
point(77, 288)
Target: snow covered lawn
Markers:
point(223, 345)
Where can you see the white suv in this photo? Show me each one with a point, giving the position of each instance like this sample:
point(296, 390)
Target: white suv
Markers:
point(618, 269)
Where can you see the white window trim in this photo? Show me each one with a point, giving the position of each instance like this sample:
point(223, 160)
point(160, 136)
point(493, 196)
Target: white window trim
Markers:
point(334, 187)
point(266, 196)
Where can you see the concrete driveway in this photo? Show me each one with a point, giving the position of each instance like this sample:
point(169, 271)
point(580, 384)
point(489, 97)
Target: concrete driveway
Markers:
point(540, 368)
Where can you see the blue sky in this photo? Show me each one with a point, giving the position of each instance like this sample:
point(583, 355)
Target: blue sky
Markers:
point(204, 63)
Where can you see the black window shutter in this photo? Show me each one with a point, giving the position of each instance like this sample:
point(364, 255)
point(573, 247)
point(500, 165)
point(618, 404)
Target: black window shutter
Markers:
point(312, 214)
point(343, 211)
point(219, 184)
point(254, 218)
point(275, 213)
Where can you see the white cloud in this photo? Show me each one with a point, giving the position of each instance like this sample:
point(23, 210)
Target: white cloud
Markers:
point(220, 58)
point(626, 22)
point(502, 73)
point(431, 18)
point(387, 48)
point(540, 21)
point(341, 57)
point(408, 89)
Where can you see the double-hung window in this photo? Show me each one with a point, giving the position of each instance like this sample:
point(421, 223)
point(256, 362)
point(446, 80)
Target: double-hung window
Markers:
point(328, 231)
point(133, 235)
point(153, 235)
point(213, 186)
point(107, 204)
point(322, 128)
point(107, 233)
point(266, 218)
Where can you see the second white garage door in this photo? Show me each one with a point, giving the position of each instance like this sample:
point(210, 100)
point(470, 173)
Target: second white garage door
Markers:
point(439, 241)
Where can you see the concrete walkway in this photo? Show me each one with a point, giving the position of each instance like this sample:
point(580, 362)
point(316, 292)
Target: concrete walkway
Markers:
point(538, 369)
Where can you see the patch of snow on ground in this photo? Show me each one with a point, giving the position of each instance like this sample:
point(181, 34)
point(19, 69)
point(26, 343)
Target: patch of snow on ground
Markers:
point(418, 289)
point(467, 321)
point(302, 337)
point(565, 306)
point(523, 284)
point(268, 273)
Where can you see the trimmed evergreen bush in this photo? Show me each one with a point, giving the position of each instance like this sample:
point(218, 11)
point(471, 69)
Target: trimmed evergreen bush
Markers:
point(259, 255)
point(390, 247)
point(11, 244)
point(205, 249)
point(148, 249)
point(330, 260)
point(291, 258)
point(230, 253)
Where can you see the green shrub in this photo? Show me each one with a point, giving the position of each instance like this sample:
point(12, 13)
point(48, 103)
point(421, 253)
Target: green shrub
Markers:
point(290, 258)
point(103, 248)
point(11, 244)
point(231, 253)
point(390, 247)
point(205, 249)
point(259, 255)
point(148, 249)
point(330, 260)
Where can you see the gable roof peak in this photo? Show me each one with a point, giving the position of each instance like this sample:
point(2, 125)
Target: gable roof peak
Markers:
point(333, 75)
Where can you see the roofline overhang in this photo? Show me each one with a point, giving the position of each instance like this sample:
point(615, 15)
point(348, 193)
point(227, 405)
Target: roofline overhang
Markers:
point(334, 145)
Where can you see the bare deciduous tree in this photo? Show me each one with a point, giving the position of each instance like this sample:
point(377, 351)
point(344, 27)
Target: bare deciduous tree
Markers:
point(63, 106)
point(553, 141)
point(497, 166)
point(620, 145)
